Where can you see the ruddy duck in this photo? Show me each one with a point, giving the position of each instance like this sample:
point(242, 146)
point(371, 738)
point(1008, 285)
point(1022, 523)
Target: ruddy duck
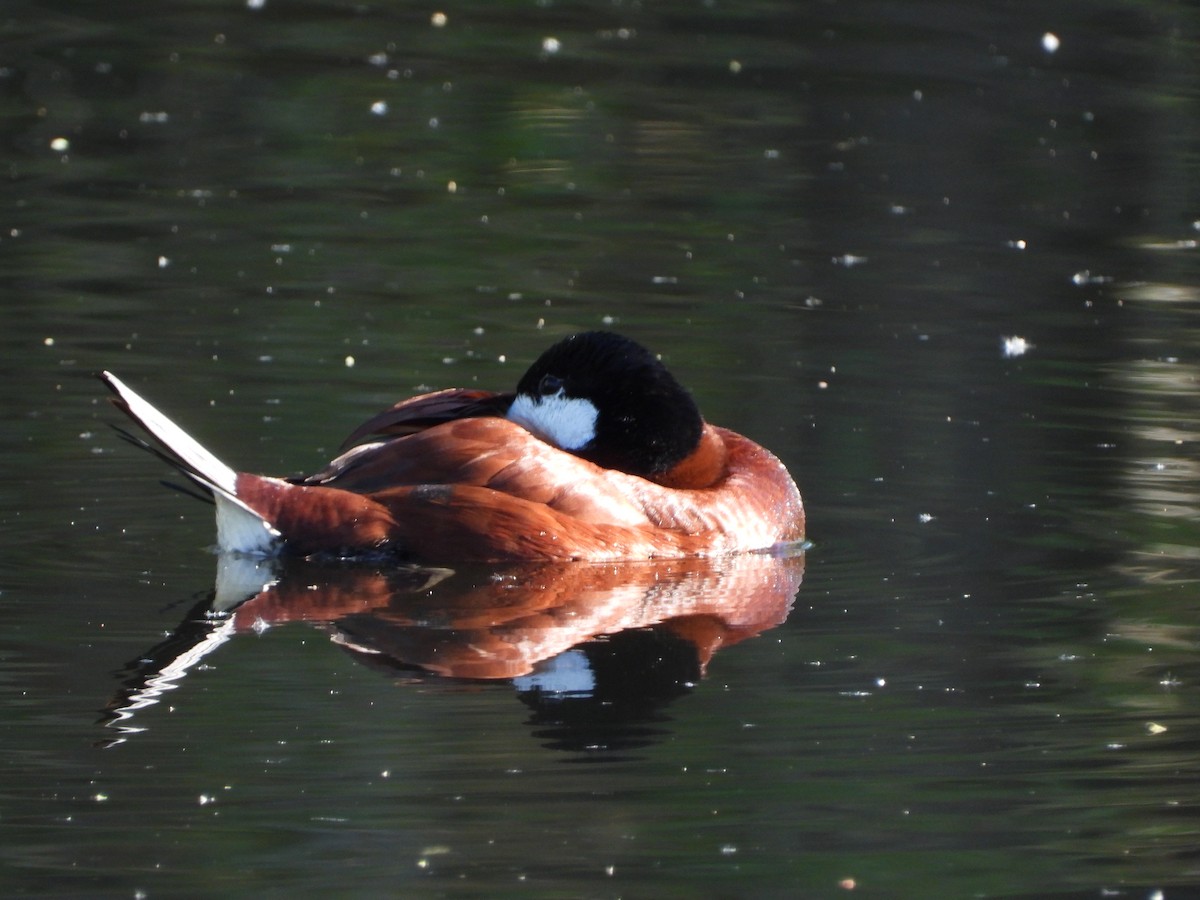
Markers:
point(599, 454)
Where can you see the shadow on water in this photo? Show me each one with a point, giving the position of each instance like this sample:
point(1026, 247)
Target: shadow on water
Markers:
point(595, 651)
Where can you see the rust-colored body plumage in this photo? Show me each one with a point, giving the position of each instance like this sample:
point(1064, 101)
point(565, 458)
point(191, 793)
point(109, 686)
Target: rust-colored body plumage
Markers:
point(484, 488)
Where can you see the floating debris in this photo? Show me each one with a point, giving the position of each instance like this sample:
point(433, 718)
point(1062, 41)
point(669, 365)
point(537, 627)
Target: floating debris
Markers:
point(1014, 345)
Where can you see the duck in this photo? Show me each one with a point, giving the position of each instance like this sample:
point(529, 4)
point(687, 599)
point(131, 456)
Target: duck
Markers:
point(598, 455)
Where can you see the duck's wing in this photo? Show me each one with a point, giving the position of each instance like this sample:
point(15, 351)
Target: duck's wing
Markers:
point(427, 410)
point(485, 452)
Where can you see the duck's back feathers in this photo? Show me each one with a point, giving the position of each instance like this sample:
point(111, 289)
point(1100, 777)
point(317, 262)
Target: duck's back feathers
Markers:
point(427, 410)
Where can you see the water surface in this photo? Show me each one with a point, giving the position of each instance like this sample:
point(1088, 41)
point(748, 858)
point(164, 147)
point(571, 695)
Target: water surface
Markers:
point(834, 221)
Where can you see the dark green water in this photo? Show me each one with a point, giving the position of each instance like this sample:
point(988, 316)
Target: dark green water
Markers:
point(828, 218)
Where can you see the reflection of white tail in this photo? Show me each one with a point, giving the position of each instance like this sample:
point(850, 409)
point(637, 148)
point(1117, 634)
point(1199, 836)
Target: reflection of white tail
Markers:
point(239, 528)
point(165, 679)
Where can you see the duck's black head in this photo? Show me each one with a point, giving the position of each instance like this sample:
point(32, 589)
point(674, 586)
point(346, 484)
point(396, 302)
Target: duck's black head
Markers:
point(607, 399)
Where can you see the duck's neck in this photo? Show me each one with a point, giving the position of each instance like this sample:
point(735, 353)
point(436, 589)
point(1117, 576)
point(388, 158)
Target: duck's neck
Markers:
point(701, 468)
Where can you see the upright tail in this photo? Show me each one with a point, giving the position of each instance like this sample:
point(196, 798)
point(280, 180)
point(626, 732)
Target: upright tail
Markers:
point(239, 528)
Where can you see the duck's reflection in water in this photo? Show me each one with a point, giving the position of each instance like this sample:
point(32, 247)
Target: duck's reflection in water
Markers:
point(595, 650)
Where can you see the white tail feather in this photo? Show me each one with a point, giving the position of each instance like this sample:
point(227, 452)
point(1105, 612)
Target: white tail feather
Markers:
point(182, 445)
point(239, 528)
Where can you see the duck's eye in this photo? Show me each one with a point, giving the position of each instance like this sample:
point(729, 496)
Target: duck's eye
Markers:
point(550, 384)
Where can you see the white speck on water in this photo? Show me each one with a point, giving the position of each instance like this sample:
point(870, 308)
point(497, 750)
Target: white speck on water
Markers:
point(255, 4)
point(1018, 244)
point(849, 260)
point(349, 362)
point(734, 66)
point(1050, 42)
point(728, 849)
point(163, 262)
point(551, 45)
point(1014, 345)
point(438, 20)
point(925, 518)
point(1084, 276)
point(48, 342)
point(60, 145)
point(379, 108)
point(158, 117)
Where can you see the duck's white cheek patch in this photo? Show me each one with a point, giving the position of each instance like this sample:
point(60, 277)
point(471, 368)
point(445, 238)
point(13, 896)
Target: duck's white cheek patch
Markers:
point(565, 422)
